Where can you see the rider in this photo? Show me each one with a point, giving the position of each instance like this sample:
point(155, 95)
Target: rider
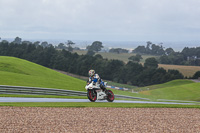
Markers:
point(95, 77)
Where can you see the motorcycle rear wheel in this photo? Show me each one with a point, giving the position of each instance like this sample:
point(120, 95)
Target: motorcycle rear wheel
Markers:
point(92, 95)
point(110, 96)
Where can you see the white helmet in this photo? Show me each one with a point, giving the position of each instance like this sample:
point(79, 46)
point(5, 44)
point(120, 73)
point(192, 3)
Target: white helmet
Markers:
point(91, 73)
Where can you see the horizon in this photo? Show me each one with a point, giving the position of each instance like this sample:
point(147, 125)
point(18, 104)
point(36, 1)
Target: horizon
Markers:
point(176, 45)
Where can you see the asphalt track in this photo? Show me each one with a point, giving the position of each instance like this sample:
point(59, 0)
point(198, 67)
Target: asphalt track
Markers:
point(19, 99)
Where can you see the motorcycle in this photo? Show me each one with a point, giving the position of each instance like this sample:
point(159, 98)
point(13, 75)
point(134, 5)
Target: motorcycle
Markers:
point(94, 92)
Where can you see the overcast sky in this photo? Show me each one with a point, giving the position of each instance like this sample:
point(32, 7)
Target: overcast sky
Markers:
point(114, 20)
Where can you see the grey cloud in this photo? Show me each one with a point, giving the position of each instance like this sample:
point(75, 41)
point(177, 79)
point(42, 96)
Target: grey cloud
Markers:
point(103, 19)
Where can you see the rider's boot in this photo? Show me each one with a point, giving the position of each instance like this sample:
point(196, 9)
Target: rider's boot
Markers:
point(103, 88)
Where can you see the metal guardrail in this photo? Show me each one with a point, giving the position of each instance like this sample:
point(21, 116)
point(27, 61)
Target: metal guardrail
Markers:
point(49, 91)
point(117, 88)
point(38, 91)
point(130, 97)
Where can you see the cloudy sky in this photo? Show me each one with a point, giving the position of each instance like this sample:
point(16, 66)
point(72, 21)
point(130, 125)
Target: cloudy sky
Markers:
point(113, 20)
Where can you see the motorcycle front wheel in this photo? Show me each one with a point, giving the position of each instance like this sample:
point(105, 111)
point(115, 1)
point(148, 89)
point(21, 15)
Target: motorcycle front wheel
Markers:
point(92, 95)
point(110, 96)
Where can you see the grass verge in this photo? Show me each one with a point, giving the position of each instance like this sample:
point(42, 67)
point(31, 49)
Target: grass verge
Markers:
point(90, 104)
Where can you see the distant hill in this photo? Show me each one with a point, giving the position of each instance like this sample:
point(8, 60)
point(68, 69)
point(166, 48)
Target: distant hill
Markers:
point(19, 72)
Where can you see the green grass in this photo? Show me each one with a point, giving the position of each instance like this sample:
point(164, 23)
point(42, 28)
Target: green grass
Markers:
point(184, 90)
point(190, 92)
point(175, 90)
point(90, 104)
point(174, 83)
point(110, 83)
point(18, 72)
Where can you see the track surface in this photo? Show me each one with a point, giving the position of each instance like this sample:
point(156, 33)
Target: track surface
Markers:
point(90, 120)
point(14, 99)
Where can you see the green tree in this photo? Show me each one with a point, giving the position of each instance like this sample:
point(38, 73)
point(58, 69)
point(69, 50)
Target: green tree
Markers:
point(90, 52)
point(44, 44)
point(130, 72)
point(136, 58)
point(157, 50)
point(37, 43)
point(61, 46)
point(26, 42)
point(175, 74)
point(96, 46)
point(112, 69)
point(148, 47)
point(169, 51)
point(196, 75)
point(118, 50)
point(69, 45)
point(140, 49)
point(98, 56)
point(151, 62)
point(164, 59)
point(17, 40)
point(115, 70)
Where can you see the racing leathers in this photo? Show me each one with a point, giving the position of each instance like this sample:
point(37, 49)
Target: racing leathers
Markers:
point(97, 80)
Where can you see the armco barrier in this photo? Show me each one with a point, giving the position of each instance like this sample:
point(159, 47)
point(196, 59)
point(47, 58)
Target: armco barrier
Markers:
point(117, 88)
point(49, 91)
point(38, 91)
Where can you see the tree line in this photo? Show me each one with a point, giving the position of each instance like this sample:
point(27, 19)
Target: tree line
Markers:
point(188, 56)
point(153, 49)
point(131, 73)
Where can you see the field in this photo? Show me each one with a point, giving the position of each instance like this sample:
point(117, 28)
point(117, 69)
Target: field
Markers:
point(185, 70)
point(188, 71)
point(123, 56)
